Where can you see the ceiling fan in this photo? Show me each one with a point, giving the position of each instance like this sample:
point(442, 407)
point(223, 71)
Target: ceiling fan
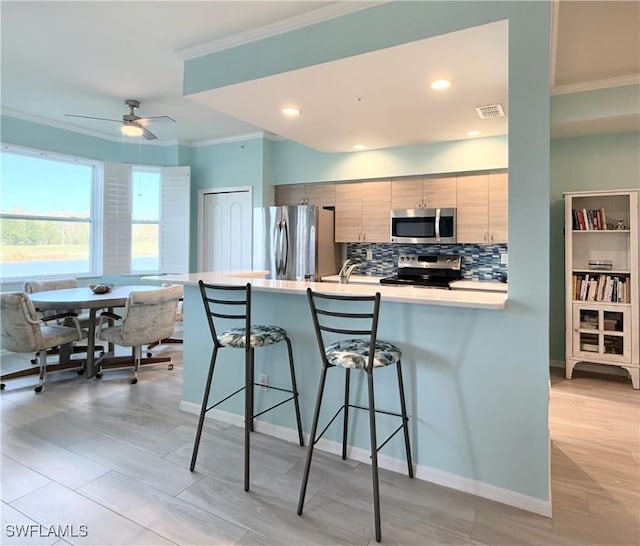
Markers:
point(132, 124)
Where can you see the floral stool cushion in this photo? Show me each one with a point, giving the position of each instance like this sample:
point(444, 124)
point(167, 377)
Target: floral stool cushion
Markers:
point(261, 335)
point(354, 353)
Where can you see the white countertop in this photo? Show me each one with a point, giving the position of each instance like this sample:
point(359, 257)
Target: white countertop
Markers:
point(475, 299)
point(491, 286)
point(357, 279)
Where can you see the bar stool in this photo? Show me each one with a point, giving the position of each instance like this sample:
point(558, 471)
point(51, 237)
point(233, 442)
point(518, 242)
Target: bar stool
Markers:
point(363, 353)
point(234, 303)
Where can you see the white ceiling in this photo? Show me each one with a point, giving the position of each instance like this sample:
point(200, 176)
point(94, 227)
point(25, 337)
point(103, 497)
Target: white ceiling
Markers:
point(88, 57)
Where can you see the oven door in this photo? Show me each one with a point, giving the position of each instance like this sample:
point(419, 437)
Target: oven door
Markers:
point(423, 226)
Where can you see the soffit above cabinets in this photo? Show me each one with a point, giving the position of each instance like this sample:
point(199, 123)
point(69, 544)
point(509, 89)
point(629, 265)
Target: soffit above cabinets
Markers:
point(383, 98)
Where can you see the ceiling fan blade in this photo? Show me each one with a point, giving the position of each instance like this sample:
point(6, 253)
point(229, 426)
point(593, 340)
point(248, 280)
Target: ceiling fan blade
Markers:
point(148, 134)
point(157, 118)
point(91, 117)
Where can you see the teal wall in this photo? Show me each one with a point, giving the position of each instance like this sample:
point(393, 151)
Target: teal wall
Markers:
point(295, 163)
point(597, 162)
point(51, 139)
point(480, 379)
point(231, 164)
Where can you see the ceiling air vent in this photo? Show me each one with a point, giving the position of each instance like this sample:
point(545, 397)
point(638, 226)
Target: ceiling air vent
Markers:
point(490, 111)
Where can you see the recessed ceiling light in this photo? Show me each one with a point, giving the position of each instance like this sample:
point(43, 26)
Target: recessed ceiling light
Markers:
point(291, 111)
point(359, 147)
point(473, 133)
point(440, 84)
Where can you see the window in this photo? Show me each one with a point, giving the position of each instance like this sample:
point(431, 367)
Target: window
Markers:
point(145, 219)
point(47, 223)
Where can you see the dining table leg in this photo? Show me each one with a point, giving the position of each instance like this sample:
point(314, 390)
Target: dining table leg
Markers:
point(91, 343)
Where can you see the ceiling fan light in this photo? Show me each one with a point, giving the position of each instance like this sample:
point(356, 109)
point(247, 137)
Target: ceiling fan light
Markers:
point(132, 130)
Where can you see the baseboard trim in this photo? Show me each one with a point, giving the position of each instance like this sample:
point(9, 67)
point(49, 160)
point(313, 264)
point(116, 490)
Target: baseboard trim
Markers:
point(422, 472)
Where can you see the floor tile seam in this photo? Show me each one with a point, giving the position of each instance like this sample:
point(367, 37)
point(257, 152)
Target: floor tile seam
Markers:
point(117, 513)
point(24, 463)
point(49, 481)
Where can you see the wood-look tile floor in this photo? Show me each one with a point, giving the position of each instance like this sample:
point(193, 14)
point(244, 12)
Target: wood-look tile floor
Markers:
point(115, 458)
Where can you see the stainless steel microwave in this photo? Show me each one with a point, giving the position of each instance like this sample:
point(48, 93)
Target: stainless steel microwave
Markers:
point(423, 226)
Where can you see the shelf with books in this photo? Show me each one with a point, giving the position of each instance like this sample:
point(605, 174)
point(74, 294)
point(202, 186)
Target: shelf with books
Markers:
point(602, 270)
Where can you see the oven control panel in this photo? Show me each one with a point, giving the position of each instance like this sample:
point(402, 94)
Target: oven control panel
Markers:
point(442, 261)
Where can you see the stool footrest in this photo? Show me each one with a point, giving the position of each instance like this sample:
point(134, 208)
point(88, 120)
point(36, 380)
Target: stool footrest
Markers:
point(224, 399)
point(341, 409)
point(274, 406)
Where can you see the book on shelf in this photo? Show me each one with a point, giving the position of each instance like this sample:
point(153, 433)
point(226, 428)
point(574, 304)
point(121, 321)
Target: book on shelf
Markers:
point(589, 219)
point(600, 288)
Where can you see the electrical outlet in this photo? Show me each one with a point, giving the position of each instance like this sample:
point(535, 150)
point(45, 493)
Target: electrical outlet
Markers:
point(504, 258)
point(369, 254)
point(263, 379)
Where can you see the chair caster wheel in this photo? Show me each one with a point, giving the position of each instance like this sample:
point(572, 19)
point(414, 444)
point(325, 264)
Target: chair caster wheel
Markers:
point(2, 386)
point(99, 375)
point(149, 354)
point(80, 372)
point(38, 388)
point(170, 367)
point(133, 380)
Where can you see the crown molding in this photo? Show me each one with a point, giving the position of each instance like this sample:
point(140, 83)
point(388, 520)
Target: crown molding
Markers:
point(320, 15)
point(593, 85)
point(88, 132)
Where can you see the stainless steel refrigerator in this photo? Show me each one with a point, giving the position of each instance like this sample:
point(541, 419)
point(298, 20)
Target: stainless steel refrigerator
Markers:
point(295, 242)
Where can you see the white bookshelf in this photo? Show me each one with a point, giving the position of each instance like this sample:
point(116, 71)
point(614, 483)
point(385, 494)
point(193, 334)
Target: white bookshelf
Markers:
point(602, 280)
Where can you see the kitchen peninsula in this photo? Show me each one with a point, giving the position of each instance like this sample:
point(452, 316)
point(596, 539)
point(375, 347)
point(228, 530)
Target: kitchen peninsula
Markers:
point(450, 415)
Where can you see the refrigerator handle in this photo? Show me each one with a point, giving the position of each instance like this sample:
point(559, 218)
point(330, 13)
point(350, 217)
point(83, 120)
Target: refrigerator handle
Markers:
point(285, 258)
point(278, 249)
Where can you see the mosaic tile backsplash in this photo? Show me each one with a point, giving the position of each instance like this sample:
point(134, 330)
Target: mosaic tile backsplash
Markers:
point(479, 262)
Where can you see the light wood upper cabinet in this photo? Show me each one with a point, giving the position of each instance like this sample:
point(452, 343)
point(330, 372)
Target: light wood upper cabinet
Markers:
point(322, 195)
point(348, 212)
point(423, 192)
point(439, 193)
point(362, 212)
point(292, 194)
point(376, 201)
point(482, 208)
point(498, 207)
point(406, 193)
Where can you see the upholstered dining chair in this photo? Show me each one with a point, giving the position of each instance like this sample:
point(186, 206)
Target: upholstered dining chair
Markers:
point(148, 315)
point(24, 331)
point(168, 340)
point(43, 285)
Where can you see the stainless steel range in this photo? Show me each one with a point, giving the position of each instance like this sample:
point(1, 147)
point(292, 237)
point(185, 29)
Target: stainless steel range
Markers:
point(426, 270)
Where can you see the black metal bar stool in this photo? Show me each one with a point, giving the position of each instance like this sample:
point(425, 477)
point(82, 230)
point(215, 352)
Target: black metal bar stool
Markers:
point(363, 353)
point(234, 303)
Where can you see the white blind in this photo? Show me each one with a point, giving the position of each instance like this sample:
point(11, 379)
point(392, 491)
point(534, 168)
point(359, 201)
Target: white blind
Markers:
point(174, 219)
point(117, 219)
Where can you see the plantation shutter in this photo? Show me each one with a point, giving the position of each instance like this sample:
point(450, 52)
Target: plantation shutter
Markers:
point(174, 219)
point(117, 219)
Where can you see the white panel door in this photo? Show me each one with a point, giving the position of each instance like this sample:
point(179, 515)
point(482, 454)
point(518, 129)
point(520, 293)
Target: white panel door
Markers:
point(227, 224)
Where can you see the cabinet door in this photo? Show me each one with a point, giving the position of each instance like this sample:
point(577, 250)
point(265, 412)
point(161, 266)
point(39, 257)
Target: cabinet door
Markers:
point(498, 207)
point(473, 208)
point(601, 333)
point(292, 194)
point(376, 203)
point(406, 193)
point(348, 212)
point(323, 195)
point(439, 192)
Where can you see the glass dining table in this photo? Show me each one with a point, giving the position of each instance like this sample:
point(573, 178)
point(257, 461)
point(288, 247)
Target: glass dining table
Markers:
point(85, 298)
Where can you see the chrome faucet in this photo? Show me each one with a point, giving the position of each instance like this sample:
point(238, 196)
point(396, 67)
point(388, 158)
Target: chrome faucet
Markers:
point(346, 270)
